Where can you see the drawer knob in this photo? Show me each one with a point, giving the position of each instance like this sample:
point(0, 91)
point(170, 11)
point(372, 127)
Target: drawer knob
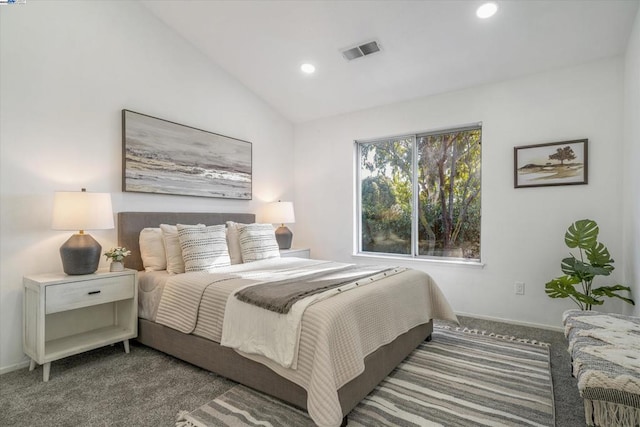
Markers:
point(94, 292)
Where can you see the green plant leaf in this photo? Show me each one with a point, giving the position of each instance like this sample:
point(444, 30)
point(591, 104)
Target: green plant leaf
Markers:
point(599, 255)
point(582, 234)
point(575, 268)
point(562, 287)
point(589, 300)
point(610, 291)
point(568, 266)
point(584, 271)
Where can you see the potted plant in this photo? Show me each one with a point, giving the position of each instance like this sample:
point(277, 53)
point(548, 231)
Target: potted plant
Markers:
point(594, 260)
point(117, 255)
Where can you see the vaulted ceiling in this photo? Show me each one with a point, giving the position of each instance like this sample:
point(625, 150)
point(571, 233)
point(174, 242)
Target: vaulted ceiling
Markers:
point(428, 47)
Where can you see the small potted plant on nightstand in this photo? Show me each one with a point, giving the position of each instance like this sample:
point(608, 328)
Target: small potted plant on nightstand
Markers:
point(117, 255)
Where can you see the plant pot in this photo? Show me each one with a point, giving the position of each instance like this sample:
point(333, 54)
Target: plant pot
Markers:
point(116, 266)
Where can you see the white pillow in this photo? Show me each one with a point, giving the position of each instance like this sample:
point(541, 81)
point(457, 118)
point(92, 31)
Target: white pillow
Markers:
point(233, 241)
point(152, 251)
point(175, 264)
point(203, 248)
point(258, 241)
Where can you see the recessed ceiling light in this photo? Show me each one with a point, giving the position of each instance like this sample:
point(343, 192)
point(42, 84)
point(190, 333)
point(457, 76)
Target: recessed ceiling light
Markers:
point(487, 10)
point(308, 68)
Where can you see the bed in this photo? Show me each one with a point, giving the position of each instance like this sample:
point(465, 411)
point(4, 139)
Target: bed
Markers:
point(326, 407)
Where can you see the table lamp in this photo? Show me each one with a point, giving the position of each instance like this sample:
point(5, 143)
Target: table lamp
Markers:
point(80, 210)
point(281, 213)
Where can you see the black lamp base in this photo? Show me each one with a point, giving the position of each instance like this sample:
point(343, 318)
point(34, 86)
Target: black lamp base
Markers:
point(80, 255)
point(284, 237)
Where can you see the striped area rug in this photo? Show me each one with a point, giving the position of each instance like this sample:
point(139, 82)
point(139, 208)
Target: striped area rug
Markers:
point(460, 378)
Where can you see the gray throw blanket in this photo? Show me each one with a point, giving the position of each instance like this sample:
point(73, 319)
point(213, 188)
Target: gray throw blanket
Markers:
point(280, 295)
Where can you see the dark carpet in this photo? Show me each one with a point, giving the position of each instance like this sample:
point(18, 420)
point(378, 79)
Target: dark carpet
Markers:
point(106, 387)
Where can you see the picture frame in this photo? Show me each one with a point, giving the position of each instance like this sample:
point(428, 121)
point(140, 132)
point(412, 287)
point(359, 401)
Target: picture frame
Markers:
point(163, 157)
point(551, 164)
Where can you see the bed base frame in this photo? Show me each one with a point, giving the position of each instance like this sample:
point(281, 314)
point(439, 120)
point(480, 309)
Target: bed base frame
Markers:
point(226, 362)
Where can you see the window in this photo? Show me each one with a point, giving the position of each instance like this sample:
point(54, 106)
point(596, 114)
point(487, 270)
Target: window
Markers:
point(419, 195)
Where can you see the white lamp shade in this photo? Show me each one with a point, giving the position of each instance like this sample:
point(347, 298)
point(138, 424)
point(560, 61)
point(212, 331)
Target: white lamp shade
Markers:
point(279, 213)
point(79, 210)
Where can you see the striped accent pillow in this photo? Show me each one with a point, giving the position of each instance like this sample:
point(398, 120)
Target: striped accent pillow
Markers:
point(258, 241)
point(203, 248)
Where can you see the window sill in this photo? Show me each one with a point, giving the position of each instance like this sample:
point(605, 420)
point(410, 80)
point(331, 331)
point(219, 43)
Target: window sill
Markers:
point(444, 262)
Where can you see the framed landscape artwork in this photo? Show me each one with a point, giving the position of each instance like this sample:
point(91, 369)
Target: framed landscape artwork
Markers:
point(163, 157)
point(555, 163)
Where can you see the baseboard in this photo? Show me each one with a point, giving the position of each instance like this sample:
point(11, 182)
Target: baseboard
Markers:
point(513, 322)
point(15, 367)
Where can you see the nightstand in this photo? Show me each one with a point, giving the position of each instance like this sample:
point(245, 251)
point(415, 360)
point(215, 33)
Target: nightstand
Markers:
point(299, 253)
point(66, 315)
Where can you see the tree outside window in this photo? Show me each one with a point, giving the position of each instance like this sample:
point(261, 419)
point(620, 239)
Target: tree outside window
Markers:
point(439, 174)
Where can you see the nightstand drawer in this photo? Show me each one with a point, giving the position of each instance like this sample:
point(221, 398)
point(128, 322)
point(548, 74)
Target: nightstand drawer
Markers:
point(68, 296)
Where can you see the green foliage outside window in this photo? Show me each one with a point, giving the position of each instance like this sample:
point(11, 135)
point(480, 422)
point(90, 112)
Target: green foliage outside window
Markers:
point(447, 174)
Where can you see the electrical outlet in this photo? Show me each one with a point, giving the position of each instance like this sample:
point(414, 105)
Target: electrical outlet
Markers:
point(518, 288)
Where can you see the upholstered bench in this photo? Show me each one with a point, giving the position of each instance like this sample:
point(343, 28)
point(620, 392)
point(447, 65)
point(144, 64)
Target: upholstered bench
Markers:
point(605, 352)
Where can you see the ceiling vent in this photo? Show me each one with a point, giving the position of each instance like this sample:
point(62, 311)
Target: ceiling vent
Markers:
point(361, 50)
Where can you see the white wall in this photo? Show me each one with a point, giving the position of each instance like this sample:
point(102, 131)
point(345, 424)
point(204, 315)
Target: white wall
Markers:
point(631, 160)
point(67, 70)
point(522, 229)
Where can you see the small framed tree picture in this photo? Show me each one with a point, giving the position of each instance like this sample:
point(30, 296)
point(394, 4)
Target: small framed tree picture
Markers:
point(555, 163)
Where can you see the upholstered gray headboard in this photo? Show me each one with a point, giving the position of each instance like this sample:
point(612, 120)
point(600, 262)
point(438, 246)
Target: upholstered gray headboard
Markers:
point(131, 223)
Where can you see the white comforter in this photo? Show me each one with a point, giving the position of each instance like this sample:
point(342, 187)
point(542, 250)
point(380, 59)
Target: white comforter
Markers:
point(335, 334)
point(254, 330)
